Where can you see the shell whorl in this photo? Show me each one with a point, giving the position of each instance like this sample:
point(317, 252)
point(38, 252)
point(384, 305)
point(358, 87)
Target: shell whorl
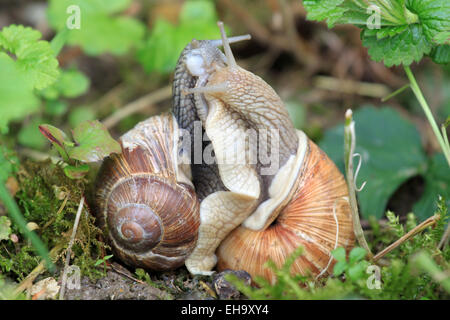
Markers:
point(317, 217)
point(145, 202)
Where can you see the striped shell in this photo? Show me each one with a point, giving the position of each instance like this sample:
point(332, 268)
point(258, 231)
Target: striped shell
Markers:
point(317, 217)
point(148, 208)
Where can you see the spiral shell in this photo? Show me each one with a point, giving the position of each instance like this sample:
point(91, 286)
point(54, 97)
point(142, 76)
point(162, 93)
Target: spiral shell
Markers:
point(317, 217)
point(145, 201)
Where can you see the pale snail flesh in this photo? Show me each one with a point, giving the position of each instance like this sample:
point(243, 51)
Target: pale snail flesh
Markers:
point(249, 216)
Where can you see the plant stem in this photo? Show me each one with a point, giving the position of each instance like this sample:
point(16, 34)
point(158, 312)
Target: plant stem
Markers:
point(429, 222)
point(349, 148)
point(415, 88)
point(69, 248)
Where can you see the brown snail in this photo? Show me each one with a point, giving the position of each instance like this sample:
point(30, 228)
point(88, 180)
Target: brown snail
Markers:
point(145, 200)
point(269, 189)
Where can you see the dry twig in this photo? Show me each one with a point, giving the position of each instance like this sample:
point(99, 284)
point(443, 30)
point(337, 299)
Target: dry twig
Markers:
point(140, 104)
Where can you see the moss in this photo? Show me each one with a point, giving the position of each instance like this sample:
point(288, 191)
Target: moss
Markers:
point(50, 199)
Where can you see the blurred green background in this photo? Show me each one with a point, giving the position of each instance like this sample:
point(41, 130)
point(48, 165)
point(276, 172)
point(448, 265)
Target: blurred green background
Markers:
point(118, 68)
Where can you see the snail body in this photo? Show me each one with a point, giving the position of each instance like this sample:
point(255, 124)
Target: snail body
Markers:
point(269, 190)
point(253, 212)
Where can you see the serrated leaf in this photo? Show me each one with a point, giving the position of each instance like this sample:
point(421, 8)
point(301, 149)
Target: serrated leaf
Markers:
point(5, 228)
point(407, 30)
point(329, 10)
point(101, 28)
point(437, 182)
point(441, 54)
point(34, 57)
point(356, 255)
point(402, 48)
point(442, 37)
point(391, 151)
point(162, 48)
point(339, 254)
point(17, 98)
point(93, 142)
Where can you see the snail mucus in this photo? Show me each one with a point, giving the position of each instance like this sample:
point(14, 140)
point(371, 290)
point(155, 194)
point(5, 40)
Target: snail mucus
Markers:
point(269, 190)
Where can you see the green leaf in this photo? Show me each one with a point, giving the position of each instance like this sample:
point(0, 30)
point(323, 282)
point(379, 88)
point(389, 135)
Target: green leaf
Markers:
point(161, 50)
point(93, 142)
point(441, 54)
point(442, 37)
point(356, 272)
point(55, 107)
point(17, 98)
point(34, 57)
point(437, 182)
point(76, 172)
point(356, 255)
point(70, 84)
point(330, 10)
point(391, 151)
point(102, 28)
point(29, 135)
point(339, 254)
point(402, 48)
point(58, 139)
point(54, 135)
point(407, 30)
point(339, 268)
point(5, 228)
point(81, 114)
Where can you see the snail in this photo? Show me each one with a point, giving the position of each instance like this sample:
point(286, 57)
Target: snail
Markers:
point(262, 188)
point(145, 200)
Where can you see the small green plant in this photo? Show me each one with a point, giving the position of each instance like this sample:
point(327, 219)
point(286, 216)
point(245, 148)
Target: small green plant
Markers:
point(91, 143)
point(353, 268)
point(414, 270)
point(397, 32)
point(103, 261)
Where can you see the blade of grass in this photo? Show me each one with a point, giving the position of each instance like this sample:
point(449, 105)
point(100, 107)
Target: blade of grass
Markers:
point(416, 89)
point(349, 148)
point(16, 216)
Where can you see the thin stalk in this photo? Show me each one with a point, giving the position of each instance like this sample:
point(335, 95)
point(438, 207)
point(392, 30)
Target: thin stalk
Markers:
point(396, 92)
point(415, 88)
point(349, 148)
point(444, 238)
point(429, 222)
point(69, 248)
